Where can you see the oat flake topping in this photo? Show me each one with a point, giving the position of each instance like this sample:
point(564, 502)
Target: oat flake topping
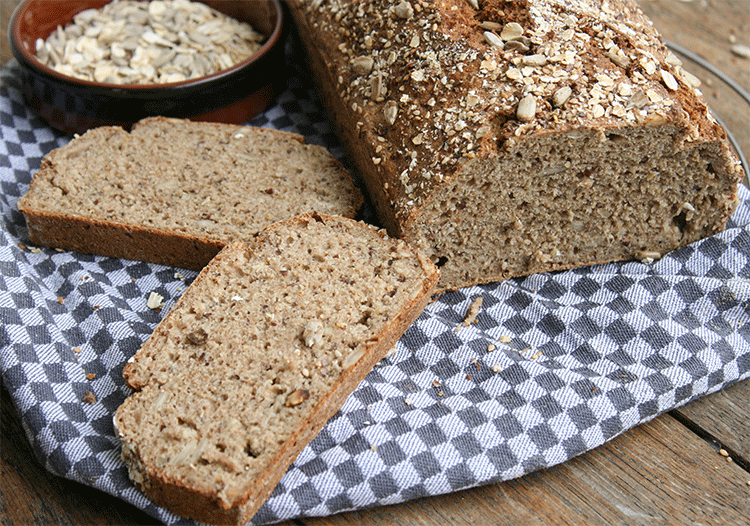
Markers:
point(459, 84)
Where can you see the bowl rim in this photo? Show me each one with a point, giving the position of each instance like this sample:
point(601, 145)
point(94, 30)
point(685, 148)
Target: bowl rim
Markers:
point(28, 59)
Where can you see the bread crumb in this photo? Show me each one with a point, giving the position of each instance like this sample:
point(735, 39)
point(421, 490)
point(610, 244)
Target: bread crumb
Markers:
point(473, 310)
point(89, 398)
point(723, 452)
point(155, 300)
point(505, 339)
point(496, 368)
point(90, 376)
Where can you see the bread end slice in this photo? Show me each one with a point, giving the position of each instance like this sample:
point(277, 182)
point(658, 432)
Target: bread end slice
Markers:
point(261, 350)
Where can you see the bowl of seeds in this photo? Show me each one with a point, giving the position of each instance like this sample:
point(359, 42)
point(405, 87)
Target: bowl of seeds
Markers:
point(89, 63)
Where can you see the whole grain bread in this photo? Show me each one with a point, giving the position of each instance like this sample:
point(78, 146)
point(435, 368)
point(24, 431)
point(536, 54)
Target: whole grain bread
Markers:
point(174, 191)
point(261, 350)
point(504, 138)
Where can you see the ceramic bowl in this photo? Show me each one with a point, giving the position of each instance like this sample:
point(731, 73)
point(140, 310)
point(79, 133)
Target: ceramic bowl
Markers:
point(72, 105)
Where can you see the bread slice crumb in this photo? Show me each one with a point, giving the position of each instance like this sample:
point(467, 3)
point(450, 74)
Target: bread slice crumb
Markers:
point(228, 392)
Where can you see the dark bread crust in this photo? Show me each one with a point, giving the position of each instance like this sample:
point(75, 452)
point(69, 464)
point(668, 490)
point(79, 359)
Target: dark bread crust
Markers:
point(119, 240)
point(238, 508)
point(458, 130)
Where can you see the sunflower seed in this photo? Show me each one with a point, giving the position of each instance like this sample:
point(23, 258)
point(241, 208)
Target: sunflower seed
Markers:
point(526, 109)
point(669, 80)
point(493, 40)
point(490, 26)
point(561, 96)
point(390, 112)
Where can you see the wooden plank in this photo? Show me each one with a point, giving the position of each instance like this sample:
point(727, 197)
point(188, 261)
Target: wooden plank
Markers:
point(723, 419)
point(6, 10)
point(658, 473)
point(30, 495)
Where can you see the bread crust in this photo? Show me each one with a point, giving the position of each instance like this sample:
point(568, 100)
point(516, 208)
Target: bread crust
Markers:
point(430, 112)
point(243, 503)
point(120, 240)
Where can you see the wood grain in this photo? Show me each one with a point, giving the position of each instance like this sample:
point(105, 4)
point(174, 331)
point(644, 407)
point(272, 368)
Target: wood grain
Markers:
point(723, 420)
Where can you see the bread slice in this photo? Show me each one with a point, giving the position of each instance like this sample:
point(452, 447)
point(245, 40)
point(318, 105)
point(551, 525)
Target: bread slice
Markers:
point(261, 350)
point(174, 191)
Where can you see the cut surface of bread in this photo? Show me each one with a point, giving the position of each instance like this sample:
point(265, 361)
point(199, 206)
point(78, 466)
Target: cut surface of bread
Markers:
point(507, 138)
point(261, 350)
point(174, 191)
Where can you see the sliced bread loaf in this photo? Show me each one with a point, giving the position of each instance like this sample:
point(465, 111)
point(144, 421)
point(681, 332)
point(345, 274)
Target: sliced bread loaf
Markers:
point(261, 350)
point(507, 138)
point(174, 191)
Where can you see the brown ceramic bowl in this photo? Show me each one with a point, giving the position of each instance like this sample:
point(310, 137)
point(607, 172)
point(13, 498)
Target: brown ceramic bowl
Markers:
point(233, 95)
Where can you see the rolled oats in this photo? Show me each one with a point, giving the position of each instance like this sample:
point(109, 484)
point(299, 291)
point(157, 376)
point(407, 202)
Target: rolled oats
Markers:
point(156, 42)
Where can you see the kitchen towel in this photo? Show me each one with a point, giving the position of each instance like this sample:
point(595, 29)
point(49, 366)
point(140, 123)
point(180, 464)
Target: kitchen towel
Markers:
point(554, 365)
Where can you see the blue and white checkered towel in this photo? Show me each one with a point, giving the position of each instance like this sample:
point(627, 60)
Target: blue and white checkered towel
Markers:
point(555, 365)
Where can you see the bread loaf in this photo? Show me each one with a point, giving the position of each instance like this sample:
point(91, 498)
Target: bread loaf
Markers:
point(504, 138)
point(174, 191)
point(261, 350)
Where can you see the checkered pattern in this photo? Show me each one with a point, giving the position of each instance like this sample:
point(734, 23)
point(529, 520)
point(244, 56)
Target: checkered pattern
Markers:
point(555, 365)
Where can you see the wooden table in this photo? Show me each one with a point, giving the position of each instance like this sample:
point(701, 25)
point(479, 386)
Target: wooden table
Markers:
point(672, 470)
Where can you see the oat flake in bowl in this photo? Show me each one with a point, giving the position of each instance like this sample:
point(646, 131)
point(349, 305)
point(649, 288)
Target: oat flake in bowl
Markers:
point(135, 42)
point(71, 104)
